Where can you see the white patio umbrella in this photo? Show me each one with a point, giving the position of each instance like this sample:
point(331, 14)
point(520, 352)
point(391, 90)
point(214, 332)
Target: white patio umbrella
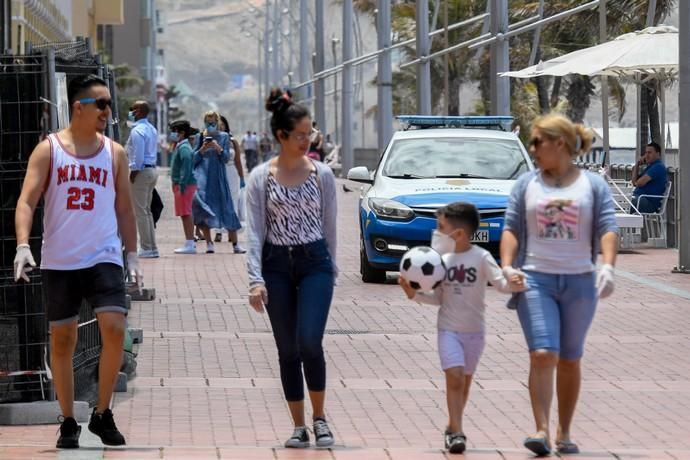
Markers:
point(648, 53)
point(652, 51)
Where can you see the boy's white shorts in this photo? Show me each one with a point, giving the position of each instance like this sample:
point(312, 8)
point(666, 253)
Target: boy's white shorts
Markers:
point(460, 349)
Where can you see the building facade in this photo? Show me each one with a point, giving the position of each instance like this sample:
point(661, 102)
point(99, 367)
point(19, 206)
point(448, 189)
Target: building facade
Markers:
point(36, 22)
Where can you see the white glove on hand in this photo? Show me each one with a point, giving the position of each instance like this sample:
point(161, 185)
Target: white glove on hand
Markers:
point(605, 283)
point(134, 270)
point(516, 279)
point(21, 260)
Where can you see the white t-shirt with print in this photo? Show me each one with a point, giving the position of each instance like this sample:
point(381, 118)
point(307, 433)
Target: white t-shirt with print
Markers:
point(462, 294)
point(559, 227)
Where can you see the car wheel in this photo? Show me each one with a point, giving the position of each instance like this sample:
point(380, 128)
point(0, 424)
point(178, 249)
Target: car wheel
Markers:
point(370, 274)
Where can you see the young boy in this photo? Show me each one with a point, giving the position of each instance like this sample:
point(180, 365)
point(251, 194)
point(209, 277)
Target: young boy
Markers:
point(461, 316)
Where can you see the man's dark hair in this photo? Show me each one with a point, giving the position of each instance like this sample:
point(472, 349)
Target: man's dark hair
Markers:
point(181, 126)
point(142, 107)
point(79, 85)
point(655, 146)
point(461, 214)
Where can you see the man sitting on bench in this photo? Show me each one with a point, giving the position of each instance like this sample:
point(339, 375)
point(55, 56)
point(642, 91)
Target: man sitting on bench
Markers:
point(652, 181)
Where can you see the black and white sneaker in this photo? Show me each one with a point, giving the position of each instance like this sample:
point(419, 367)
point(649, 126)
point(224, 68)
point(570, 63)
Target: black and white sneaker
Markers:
point(69, 433)
point(299, 438)
point(456, 443)
point(103, 426)
point(323, 435)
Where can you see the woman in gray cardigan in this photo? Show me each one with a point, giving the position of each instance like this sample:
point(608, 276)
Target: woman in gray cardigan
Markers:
point(558, 218)
point(291, 213)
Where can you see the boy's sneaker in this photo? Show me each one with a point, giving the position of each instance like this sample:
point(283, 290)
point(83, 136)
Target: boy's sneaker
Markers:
point(210, 248)
point(103, 426)
point(237, 249)
point(322, 434)
point(299, 438)
point(69, 434)
point(456, 443)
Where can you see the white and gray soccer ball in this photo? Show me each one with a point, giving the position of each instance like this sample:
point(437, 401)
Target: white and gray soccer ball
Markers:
point(423, 268)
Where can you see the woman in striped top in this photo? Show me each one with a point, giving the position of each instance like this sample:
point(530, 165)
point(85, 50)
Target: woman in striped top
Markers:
point(291, 214)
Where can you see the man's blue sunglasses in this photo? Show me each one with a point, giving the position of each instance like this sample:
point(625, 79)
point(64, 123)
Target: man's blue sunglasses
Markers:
point(101, 103)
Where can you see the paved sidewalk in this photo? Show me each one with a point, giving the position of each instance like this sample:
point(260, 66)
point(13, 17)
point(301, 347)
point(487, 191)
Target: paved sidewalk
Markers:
point(208, 385)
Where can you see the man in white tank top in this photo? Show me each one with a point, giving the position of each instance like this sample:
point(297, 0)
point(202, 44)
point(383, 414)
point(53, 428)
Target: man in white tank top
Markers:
point(84, 179)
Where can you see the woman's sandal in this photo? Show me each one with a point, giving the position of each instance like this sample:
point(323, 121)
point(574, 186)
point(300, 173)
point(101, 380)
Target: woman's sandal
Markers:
point(539, 445)
point(567, 447)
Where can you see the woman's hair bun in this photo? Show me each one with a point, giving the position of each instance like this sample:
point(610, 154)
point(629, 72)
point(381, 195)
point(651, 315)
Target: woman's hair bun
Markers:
point(279, 100)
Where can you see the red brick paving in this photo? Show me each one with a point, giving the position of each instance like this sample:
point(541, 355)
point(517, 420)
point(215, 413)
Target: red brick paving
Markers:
point(208, 382)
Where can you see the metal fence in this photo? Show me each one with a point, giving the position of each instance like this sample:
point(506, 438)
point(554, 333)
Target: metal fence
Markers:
point(673, 206)
point(27, 95)
point(23, 327)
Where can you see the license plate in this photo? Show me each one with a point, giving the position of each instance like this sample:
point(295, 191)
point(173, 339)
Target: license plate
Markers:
point(480, 236)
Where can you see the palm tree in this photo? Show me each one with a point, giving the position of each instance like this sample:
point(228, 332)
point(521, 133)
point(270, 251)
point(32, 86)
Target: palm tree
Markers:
point(544, 94)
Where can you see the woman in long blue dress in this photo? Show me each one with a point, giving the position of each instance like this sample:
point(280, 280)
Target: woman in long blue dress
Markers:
point(213, 206)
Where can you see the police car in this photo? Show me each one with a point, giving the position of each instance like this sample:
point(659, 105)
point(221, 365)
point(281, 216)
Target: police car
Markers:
point(435, 161)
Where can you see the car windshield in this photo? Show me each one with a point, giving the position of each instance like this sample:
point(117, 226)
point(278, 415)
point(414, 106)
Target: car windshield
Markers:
point(455, 157)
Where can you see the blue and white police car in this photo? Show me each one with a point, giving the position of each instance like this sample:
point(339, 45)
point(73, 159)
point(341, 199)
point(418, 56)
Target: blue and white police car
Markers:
point(433, 162)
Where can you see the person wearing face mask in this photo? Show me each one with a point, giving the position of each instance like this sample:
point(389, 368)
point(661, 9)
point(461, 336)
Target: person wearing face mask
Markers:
point(557, 220)
point(183, 181)
point(461, 297)
point(212, 206)
point(142, 150)
point(235, 175)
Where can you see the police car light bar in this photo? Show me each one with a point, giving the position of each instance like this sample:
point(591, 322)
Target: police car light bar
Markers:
point(432, 121)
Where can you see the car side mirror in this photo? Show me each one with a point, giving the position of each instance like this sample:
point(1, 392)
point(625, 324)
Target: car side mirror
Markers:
point(360, 174)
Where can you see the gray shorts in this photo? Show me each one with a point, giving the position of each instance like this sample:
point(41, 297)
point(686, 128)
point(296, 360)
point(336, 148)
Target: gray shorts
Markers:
point(460, 349)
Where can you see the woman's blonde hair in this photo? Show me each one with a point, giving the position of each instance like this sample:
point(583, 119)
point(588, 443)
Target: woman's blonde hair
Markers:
point(577, 138)
point(210, 114)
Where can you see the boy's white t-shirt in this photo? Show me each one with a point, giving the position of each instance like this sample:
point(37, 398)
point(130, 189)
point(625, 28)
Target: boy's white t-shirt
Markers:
point(461, 294)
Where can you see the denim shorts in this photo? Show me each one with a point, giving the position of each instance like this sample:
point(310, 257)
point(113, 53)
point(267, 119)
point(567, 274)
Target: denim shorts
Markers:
point(556, 311)
point(458, 349)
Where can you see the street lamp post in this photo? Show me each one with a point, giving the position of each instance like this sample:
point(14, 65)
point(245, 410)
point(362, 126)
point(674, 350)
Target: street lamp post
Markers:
point(334, 44)
point(347, 154)
point(303, 47)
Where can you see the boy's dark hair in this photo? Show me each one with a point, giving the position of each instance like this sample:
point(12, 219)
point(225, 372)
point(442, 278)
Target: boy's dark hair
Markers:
point(655, 146)
point(286, 113)
point(181, 126)
point(461, 214)
point(79, 85)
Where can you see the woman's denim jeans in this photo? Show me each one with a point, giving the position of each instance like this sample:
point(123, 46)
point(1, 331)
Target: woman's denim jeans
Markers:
point(556, 312)
point(299, 280)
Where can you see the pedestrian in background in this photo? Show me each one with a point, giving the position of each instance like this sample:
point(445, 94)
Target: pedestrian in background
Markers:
point(558, 218)
point(235, 176)
point(142, 150)
point(266, 147)
point(212, 206)
point(250, 145)
point(183, 181)
point(291, 206)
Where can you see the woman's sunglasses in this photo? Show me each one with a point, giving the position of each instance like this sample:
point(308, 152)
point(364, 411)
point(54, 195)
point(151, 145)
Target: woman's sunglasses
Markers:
point(101, 103)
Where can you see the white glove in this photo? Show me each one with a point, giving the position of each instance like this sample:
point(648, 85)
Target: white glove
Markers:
point(134, 270)
point(516, 278)
point(605, 283)
point(21, 260)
